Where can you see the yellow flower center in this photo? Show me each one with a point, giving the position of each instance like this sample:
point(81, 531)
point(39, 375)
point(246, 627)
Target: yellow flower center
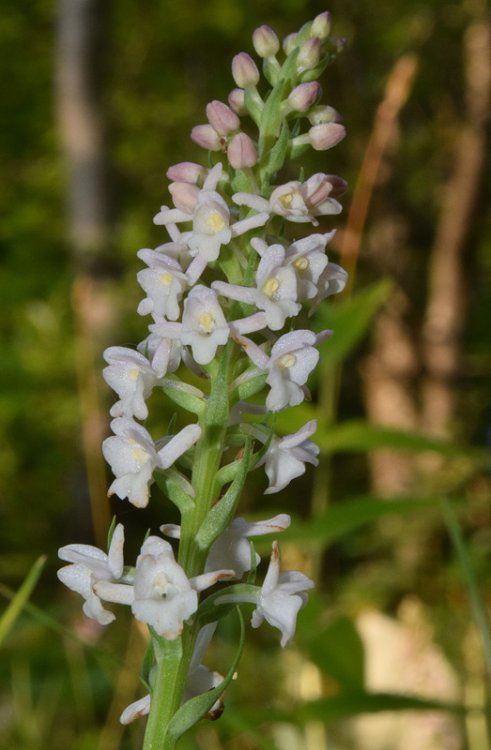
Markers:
point(166, 278)
point(139, 454)
point(133, 373)
point(215, 221)
point(287, 360)
point(270, 287)
point(301, 263)
point(286, 200)
point(206, 322)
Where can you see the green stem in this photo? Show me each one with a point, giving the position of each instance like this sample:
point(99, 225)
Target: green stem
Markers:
point(167, 689)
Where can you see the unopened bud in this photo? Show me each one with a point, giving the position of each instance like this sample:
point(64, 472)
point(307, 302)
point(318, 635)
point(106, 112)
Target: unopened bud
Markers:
point(244, 71)
point(322, 114)
point(304, 95)
point(326, 136)
point(241, 151)
point(236, 100)
point(206, 137)
point(309, 54)
point(265, 41)
point(184, 195)
point(187, 171)
point(321, 25)
point(289, 43)
point(221, 118)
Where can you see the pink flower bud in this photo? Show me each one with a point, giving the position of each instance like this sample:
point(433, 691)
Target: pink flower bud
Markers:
point(187, 171)
point(221, 118)
point(184, 196)
point(304, 95)
point(322, 114)
point(326, 136)
point(265, 41)
point(309, 54)
point(242, 152)
point(206, 137)
point(236, 99)
point(321, 25)
point(244, 71)
point(289, 43)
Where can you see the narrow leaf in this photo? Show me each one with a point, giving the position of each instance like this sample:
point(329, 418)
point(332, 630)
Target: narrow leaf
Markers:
point(20, 599)
point(223, 512)
point(196, 708)
point(345, 517)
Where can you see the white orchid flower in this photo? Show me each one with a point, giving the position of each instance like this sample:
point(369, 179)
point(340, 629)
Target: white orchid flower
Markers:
point(133, 457)
point(232, 549)
point(286, 457)
point(275, 292)
point(131, 375)
point(164, 283)
point(89, 567)
point(164, 596)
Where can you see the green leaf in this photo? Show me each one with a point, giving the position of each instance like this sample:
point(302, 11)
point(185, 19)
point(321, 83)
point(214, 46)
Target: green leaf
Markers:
point(338, 651)
point(8, 618)
point(276, 156)
point(244, 390)
point(350, 319)
point(359, 435)
point(176, 488)
point(196, 708)
point(345, 517)
point(222, 513)
point(217, 408)
point(350, 703)
point(184, 395)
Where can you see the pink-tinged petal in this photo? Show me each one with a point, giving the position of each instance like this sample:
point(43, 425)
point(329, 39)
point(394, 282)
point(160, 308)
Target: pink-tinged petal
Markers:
point(204, 581)
point(206, 137)
point(222, 118)
point(139, 708)
point(272, 575)
point(254, 352)
point(187, 171)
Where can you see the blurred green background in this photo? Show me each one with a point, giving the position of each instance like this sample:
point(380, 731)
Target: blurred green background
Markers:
point(98, 99)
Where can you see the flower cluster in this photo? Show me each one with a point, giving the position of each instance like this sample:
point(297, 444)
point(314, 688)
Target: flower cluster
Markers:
point(222, 294)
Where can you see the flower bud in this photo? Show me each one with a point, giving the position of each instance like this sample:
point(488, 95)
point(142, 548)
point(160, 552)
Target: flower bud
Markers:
point(304, 95)
point(309, 54)
point(184, 195)
point(236, 100)
point(187, 171)
point(289, 43)
point(241, 151)
point(244, 71)
point(321, 25)
point(265, 41)
point(326, 136)
point(207, 137)
point(322, 114)
point(221, 118)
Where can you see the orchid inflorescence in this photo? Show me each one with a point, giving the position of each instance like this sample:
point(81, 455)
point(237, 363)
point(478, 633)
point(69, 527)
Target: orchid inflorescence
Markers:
point(222, 295)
